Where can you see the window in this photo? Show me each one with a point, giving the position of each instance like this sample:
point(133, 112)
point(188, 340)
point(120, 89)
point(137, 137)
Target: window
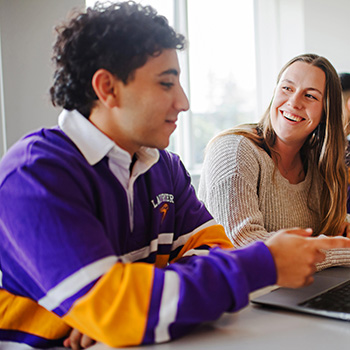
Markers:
point(218, 70)
point(222, 69)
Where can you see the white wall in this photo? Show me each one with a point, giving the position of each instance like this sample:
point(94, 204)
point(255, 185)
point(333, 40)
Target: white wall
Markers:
point(286, 28)
point(327, 30)
point(27, 35)
point(279, 36)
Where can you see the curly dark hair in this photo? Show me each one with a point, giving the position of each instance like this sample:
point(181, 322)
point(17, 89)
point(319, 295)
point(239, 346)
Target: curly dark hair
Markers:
point(118, 37)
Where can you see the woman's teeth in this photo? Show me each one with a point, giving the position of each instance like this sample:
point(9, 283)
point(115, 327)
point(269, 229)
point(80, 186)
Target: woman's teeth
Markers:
point(293, 117)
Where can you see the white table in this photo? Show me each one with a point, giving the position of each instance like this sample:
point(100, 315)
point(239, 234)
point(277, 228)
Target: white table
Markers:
point(257, 327)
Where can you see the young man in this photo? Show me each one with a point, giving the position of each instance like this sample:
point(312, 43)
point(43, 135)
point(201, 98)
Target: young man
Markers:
point(100, 228)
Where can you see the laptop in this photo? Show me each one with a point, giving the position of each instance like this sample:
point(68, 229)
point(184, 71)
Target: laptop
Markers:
point(328, 296)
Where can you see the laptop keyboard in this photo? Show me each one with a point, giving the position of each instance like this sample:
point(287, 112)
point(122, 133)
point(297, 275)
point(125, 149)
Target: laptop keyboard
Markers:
point(335, 299)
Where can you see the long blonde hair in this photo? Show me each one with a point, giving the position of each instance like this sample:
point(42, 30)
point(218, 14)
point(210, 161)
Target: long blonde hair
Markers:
point(325, 146)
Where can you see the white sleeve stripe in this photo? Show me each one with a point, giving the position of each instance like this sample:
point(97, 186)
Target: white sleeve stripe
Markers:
point(72, 284)
point(163, 238)
point(168, 306)
point(0, 279)
point(198, 252)
point(183, 239)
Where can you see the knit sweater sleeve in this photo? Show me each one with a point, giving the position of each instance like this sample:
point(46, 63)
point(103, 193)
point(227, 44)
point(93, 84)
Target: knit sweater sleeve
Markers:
point(229, 188)
point(335, 257)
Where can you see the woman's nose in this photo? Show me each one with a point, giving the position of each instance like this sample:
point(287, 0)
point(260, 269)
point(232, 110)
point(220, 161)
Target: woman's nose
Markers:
point(296, 101)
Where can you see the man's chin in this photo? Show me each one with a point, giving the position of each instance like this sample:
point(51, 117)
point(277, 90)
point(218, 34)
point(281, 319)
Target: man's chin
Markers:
point(160, 146)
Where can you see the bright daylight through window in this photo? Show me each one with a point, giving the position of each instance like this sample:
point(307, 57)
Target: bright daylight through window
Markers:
point(218, 70)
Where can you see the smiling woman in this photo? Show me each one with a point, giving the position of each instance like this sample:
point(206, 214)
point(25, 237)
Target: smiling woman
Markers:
point(296, 111)
point(287, 170)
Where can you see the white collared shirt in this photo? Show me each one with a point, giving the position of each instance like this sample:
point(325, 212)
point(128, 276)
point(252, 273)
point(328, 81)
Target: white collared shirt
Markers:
point(95, 145)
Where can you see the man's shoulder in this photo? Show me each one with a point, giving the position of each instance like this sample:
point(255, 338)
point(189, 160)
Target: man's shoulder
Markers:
point(45, 140)
point(170, 168)
point(168, 156)
point(38, 147)
point(169, 159)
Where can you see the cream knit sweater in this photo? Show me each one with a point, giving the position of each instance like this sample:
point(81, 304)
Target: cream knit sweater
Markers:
point(247, 194)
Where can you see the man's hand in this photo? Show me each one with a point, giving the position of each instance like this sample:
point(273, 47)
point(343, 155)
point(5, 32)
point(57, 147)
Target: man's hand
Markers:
point(77, 340)
point(296, 254)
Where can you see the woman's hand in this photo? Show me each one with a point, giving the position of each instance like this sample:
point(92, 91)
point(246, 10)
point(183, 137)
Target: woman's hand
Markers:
point(296, 254)
point(77, 340)
point(344, 229)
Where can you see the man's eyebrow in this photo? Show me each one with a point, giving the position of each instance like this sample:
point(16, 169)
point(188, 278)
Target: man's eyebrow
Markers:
point(169, 71)
point(309, 88)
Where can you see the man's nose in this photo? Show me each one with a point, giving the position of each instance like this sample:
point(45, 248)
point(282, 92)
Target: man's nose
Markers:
point(181, 102)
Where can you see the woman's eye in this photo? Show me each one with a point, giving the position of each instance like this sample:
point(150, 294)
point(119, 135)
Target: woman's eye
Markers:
point(286, 88)
point(311, 97)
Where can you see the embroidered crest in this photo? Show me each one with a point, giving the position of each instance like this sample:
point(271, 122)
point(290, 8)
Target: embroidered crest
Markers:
point(164, 209)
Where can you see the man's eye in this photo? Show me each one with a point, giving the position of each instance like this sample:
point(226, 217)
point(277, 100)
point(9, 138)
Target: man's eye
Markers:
point(167, 85)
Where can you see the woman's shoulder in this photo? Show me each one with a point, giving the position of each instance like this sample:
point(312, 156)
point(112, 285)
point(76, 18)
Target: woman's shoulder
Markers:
point(231, 143)
point(229, 136)
point(231, 153)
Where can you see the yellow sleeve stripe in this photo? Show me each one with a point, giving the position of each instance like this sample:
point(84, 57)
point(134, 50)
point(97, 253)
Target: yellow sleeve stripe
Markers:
point(185, 238)
point(211, 236)
point(25, 315)
point(115, 311)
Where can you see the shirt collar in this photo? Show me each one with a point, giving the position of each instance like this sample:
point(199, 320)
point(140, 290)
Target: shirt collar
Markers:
point(95, 145)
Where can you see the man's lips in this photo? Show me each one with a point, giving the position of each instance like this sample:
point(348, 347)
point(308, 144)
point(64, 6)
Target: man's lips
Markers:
point(171, 121)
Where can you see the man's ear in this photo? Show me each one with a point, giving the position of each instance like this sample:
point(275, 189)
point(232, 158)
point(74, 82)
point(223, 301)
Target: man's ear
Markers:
point(104, 85)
